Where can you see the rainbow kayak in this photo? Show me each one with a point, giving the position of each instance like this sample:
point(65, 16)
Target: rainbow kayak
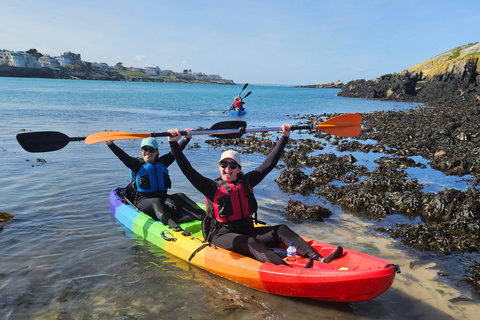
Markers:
point(352, 277)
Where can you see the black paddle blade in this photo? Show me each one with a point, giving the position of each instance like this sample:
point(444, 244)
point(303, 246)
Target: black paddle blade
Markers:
point(44, 141)
point(229, 125)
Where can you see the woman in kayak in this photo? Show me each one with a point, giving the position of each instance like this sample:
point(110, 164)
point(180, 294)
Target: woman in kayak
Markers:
point(230, 201)
point(150, 179)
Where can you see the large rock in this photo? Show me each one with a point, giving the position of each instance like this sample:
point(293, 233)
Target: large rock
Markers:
point(449, 78)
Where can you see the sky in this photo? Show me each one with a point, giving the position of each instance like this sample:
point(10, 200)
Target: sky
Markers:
point(251, 41)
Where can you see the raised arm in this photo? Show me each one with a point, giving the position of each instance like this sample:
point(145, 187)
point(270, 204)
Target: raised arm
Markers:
point(128, 161)
point(257, 175)
point(203, 184)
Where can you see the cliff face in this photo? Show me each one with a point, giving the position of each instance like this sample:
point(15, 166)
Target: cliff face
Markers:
point(452, 77)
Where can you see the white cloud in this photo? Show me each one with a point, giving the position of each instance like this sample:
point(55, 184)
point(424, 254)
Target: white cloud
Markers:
point(139, 58)
point(359, 69)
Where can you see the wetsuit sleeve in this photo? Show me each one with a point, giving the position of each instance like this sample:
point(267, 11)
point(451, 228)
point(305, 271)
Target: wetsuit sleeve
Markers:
point(128, 161)
point(256, 176)
point(168, 158)
point(205, 185)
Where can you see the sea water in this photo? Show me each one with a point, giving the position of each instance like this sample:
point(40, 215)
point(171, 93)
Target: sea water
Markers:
point(64, 256)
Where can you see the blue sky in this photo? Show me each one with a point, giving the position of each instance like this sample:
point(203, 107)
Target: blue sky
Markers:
point(259, 42)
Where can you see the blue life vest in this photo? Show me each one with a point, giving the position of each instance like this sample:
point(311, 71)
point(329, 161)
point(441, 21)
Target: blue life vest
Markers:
point(152, 178)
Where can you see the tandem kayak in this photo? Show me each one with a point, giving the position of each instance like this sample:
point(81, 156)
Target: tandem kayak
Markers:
point(352, 277)
point(238, 112)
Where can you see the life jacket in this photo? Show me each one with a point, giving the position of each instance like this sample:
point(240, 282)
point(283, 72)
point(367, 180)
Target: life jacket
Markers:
point(152, 178)
point(238, 105)
point(232, 201)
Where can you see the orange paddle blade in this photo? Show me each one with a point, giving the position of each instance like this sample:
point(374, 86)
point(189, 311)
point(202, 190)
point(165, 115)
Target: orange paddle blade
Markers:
point(114, 135)
point(344, 125)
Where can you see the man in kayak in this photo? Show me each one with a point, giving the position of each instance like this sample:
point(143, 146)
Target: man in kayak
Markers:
point(150, 180)
point(231, 205)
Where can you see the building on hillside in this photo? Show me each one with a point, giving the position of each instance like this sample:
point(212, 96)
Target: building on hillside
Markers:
point(152, 71)
point(155, 71)
point(48, 62)
point(74, 58)
point(3, 58)
point(18, 59)
point(135, 69)
point(62, 61)
point(102, 65)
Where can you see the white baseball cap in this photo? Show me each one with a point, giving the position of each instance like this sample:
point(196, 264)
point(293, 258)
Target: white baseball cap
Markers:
point(231, 154)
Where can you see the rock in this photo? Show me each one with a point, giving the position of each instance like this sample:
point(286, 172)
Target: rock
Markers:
point(449, 78)
point(335, 85)
point(439, 154)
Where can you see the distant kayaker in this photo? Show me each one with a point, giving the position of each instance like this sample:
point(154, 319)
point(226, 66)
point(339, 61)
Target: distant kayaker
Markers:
point(150, 179)
point(237, 104)
point(231, 205)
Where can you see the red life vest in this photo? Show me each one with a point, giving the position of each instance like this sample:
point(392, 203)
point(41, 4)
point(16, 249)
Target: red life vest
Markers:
point(238, 104)
point(232, 201)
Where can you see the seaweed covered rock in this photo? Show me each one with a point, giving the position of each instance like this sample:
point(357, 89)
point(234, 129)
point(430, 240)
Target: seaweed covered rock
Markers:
point(295, 181)
point(330, 168)
point(297, 211)
point(474, 276)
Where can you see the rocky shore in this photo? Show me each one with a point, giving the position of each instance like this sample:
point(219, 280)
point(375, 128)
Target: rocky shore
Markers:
point(449, 78)
point(331, 85)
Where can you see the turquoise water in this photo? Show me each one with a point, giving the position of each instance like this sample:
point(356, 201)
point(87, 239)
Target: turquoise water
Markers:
point(64, 256)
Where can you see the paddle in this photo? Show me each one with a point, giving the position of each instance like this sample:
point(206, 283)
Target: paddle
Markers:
point(249, 92)
point(246, 84)
point(46, 141)
point(345, 125)
point(223, 129)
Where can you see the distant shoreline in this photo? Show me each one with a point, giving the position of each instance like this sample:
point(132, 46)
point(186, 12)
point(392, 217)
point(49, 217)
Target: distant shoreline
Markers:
point(48, 73)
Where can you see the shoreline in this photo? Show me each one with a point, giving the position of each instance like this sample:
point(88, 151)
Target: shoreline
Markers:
point(47, 73)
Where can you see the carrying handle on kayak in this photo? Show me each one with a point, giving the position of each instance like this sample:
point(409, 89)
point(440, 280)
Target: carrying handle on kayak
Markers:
point(166, 238)
point(397, 267)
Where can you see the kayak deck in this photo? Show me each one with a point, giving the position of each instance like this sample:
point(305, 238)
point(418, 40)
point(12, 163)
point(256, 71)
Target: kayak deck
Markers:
point(352, 277)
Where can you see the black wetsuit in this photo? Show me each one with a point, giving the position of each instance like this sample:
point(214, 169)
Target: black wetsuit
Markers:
point(241, 236)
point(152, 203)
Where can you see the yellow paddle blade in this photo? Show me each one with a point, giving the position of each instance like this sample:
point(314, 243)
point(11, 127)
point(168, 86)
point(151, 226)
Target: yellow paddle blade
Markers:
point(344, 125)
point(114, 135)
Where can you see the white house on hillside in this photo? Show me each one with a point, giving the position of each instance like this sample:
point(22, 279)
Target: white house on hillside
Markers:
point(48, 62)
point(3, 58)
point(63, 61)
point(18, 59)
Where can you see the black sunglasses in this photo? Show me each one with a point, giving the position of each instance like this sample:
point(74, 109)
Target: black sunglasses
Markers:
point(149, 149)
point(232, 165)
